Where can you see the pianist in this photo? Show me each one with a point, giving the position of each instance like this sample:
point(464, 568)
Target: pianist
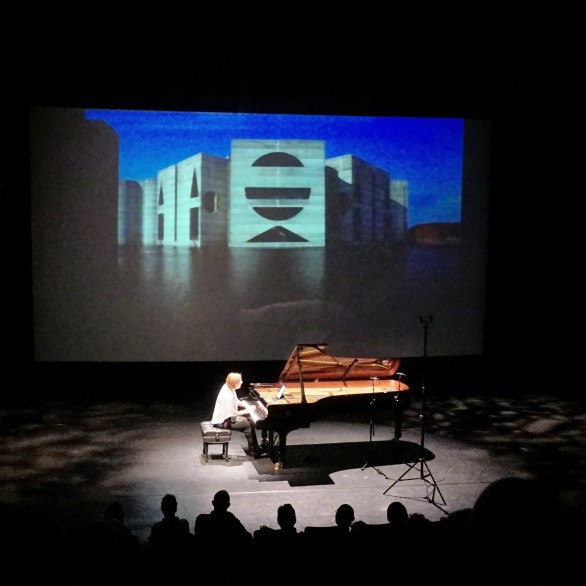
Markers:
point(231, 413)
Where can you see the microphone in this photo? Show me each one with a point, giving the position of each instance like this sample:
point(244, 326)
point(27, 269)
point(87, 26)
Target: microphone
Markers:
point(374, 378)
point(400, 374)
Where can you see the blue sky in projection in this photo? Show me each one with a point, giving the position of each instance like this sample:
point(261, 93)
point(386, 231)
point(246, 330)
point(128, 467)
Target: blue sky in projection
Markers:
point(426, 152)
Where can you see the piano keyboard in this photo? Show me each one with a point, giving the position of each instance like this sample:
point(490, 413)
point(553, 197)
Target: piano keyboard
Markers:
point(260, 413)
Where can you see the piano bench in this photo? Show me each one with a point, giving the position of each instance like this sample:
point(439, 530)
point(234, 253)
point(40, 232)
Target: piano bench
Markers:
point(215, 435)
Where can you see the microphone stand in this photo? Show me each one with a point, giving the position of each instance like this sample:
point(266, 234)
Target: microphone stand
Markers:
point(371, 428)
point(424, 471)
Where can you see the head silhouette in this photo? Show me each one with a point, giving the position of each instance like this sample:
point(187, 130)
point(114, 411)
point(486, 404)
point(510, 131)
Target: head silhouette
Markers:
point(344, 515)
point(169, 505)
point(114, 511)
point(397, 513)
point(286, 517)
point(221, 500)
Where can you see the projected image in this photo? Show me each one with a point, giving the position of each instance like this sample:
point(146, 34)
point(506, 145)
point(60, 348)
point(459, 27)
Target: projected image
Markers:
point(190, 236)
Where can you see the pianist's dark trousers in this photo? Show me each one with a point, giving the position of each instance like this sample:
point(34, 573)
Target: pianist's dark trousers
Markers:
point(243, 424)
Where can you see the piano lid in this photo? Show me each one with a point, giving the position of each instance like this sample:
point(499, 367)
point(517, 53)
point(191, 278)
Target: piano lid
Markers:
point(311, 362)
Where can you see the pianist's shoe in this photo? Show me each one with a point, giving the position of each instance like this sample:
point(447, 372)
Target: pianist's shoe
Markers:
point(251, 452)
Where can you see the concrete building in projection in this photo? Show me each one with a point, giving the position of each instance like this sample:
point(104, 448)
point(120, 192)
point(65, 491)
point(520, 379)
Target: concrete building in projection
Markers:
point(267, 194)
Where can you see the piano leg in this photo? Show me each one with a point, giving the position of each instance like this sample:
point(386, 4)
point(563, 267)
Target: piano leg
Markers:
point(264, 444)
point(277, 448)
point(398, 424)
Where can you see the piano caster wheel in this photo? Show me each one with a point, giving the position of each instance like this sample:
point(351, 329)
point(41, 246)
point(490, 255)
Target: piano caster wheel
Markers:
point(278, 465)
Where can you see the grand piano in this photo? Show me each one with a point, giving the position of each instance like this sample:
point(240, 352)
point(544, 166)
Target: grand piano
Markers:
point(314, 384)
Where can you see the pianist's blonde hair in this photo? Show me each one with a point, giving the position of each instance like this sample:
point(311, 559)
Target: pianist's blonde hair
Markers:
point(233, 380)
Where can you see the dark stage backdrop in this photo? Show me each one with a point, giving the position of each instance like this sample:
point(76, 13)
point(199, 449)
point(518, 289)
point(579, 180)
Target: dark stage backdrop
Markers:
point(522, 78)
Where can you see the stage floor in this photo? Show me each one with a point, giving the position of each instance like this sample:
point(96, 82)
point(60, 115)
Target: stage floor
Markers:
point(63, 461)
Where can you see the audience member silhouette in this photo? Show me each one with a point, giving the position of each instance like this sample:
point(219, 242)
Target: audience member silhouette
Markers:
point(370, 543)
point(516, 535)
point(170, 545)
point(327, 546)
point(219, 533)
point(397, 515)
point(103, 551)
point(344, 518)
point(371, 535)
point(287, 532)
point(287, 519)
point(442, 541)
point(271, 544)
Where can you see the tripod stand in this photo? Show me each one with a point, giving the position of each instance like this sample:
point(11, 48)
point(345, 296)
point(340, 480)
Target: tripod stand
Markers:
point(424, 471)
point(371, 407)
